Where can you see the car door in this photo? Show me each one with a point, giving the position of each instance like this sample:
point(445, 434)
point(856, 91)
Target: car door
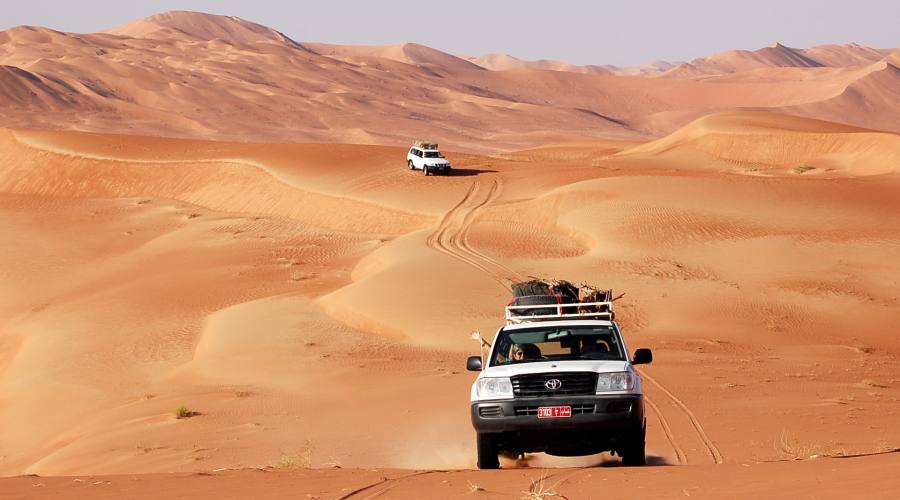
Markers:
point(419, 160)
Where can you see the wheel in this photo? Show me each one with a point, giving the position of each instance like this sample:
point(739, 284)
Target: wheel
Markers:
point(487, 452)
point(409, 163)
point(634, 453)
point(425, 170)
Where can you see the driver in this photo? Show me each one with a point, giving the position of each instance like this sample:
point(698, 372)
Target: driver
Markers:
point(525, 352)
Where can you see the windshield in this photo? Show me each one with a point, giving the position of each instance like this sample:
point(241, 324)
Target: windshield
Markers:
point(557, 343)
point(433, 154)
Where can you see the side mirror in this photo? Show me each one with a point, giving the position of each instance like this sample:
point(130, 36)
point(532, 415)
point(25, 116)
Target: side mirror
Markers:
point(642, 357)
point(473, 364)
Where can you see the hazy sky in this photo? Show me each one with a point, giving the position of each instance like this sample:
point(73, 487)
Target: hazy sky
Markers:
point(589, 32)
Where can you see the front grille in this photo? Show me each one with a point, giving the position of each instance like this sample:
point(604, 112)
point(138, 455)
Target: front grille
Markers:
point(522, 411)
point(490, 411)
point(571, 384)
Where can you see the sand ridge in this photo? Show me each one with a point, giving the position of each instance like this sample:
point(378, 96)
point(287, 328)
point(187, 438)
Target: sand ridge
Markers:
point(188, 74)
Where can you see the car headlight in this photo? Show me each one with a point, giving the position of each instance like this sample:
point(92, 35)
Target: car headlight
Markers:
point(494, 388)
point(619, 381)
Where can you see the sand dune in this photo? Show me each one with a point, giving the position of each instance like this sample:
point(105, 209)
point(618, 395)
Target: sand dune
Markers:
point(733, 61)
point(202, 26)
point(868, 94)
point(195, 75)
point(506, 62)
point(260, 283)
point(851, 54)
point(767, 143)
point(407, 53)
point(779, 56)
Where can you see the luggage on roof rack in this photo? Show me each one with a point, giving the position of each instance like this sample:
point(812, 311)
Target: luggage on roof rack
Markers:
point(533, 287)
point(531, 298)
point(425, 144)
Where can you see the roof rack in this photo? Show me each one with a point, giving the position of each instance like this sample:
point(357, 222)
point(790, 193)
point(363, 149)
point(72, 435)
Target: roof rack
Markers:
point(425, 144)
point(582, 310)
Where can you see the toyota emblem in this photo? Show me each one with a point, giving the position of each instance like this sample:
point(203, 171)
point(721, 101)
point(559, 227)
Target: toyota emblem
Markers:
point(553, 384)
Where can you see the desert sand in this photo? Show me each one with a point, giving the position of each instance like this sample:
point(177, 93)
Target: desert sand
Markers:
point(185, 74)
point(309, 301)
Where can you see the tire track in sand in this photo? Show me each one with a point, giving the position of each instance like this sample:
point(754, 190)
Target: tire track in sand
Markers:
point(461, 239)
point(378, 488)
point(711, 448)
point(680, 457)
point(449, 237)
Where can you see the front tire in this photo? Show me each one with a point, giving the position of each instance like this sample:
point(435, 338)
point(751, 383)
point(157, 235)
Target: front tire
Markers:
point(634, 454)
point(487, 452)
point(425, 170)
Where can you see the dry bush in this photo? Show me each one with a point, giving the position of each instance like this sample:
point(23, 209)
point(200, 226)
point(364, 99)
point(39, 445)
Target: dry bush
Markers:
point(474, 487)
point(540, 491)
point(302, 460)
point(789, 447)
point(183, 412)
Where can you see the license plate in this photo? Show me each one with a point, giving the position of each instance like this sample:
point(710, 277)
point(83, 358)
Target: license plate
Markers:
point(554, 411)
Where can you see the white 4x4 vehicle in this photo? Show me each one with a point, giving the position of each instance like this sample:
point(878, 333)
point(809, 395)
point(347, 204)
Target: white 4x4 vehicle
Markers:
point(562, 383)
point(426, 157)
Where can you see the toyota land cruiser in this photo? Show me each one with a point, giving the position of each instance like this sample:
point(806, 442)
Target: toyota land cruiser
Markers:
point(562, 383)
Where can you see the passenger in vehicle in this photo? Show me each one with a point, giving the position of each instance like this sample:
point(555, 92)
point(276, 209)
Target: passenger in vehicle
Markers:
point(591, 344)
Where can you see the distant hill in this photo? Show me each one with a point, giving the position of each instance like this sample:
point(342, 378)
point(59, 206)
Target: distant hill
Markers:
point(190, 74)
point(780, 56)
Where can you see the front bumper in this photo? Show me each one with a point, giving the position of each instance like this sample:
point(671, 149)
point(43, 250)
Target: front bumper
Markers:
point(598, 423)
point(614, 412)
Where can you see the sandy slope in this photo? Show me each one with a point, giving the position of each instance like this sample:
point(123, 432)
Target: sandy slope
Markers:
point(763, 143)
point(828, 478)
point(296, 296)
point(185, 74)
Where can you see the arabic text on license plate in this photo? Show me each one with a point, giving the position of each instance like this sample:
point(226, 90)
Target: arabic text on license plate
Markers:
point(554, 411)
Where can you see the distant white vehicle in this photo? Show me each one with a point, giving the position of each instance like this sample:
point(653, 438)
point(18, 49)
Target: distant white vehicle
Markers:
point(425, 156)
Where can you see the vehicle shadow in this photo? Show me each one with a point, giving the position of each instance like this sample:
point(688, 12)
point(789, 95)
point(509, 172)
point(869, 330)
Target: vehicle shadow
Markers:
point(652, 461)
point(467, 172)
point(600, 460)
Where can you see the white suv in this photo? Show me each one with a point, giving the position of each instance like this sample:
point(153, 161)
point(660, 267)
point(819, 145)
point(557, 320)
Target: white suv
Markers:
point(560, 383)
point(425, 156)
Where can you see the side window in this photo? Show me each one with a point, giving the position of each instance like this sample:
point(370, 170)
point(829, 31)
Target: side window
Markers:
point(412, 151)
point(419, 153)
point(501, 352)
